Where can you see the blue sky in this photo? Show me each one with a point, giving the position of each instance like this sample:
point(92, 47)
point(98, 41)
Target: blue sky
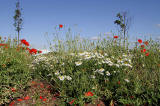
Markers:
point(87, 17)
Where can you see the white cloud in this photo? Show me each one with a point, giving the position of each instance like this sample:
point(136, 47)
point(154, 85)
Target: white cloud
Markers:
point(44, 51)
point(158, 37)
point(158, 25)
point(95, 38)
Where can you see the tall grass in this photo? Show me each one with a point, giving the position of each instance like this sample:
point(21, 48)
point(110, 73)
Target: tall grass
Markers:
point(137, 76)
point(85, 70)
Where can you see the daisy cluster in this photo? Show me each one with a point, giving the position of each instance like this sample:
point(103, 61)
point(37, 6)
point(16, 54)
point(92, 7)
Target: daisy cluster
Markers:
point(104, 58)
point(101, 59)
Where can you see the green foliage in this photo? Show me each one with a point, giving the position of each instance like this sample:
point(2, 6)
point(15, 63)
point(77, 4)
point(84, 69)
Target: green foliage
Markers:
point(14, 72)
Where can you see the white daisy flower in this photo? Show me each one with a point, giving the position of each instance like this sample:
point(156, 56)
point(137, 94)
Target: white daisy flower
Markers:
point(78, 63)
point(62, 63)
point(101, 70)
point(126, 80)
point(110, 64)
point(88, 56)
point(101, 73)
point(56, 73)
point(92, 76)
point(105, 54)
point(93, 87)
point(114, 71)
point(117, 65)
point(103, 61)
point(68, 77)
point(108, 73)
point(61, 78)
point(49, 75)
point(124, 55)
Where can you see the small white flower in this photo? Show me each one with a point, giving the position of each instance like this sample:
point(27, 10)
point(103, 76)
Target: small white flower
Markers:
point(88, 57)
point(68, 77)
point(93, 87)
point(81, 54)
point(103, 61)
point(114, 71)
point(108, 73)
point(78, 63)
point(143, 65)
point(101, 70)
point(101, 73)
point(129, 60)
point(105, 54)
point(49, 75)
point(108, 59)
point(110, 64)
point(92, 76)
point(117, 65)
point(126, 80)
point(124, 55)
point(56, 73)
point(61, 78)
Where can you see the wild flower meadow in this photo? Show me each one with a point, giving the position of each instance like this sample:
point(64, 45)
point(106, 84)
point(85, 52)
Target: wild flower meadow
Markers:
point(80, 73)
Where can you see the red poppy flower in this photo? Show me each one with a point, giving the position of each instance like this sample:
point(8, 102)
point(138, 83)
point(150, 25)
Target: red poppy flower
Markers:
point(115, 36)
point(139, 40)
point(118, 82)
point(1, 44)
point(31, 51)
point(13, 89)
point(40, 51)
point(142, 46)
point(23, 40)
point(72, 101)
point(147, 54)
point(26, 98)
point(89, 94)
point(12, 103)
point(45, 99)
point(6, 47)
point(27, 48)
point(33, 82)
point(19, 99)
point(144, 50)
point(40, 97)
point(146, 43)
point(60, 26)
point(131, 97)
point(98, 104)
point(26, 43)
